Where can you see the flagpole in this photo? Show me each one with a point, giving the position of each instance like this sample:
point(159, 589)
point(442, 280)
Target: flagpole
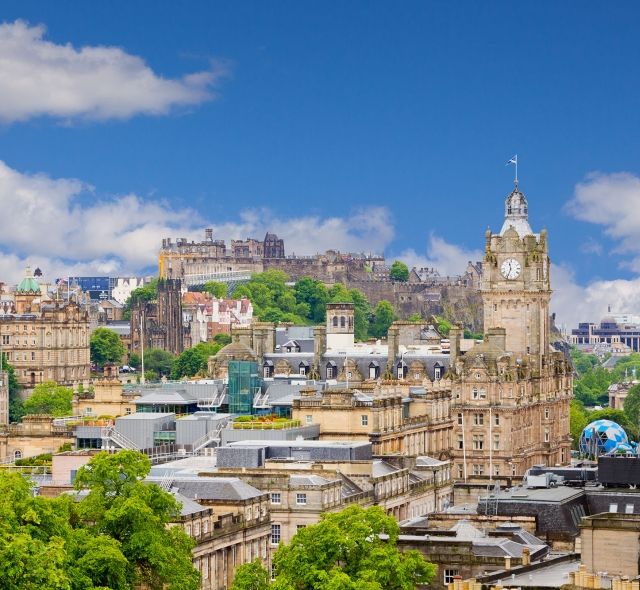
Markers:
point(516, 169)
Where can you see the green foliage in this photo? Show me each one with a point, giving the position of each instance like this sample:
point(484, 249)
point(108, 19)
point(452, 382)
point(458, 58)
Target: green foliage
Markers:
point(146, 293)
point(222, 339)
point(343, 552)
point(106, 347)
point(632, 404)
point(159, 362)
point(399, 271)
point(473, 335)
point(49, 398)
point(218, 290)
point(315, 295)
point(444, 325)
point(583, 362)
point(116, 537)
point(134, 360)
point(415, 318)
point(251, 576)
point(383, 318)
point(16, 405)
point(578, 419)
point(193, 361)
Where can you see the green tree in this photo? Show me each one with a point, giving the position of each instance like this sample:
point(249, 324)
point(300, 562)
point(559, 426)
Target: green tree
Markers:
point(315, 294)
point(120, 506)
point(251, 576)
point(384, 316)
point(218, 290)
point(159, 361)
point(632, 404)
point(399, 271)
point(444, 325)
point(194, 360)
point(49, 398)
point(106, 347)
point(344, 551)
point(146, 293)
point(222, 339)
point(416, 318)
point(134, 360)
point(16, 405)
point(578, 419)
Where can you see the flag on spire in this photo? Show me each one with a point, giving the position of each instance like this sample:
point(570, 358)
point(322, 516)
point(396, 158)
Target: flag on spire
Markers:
point(513, 160)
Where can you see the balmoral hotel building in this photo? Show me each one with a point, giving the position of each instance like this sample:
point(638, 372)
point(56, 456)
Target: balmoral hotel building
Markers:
point(45, 339)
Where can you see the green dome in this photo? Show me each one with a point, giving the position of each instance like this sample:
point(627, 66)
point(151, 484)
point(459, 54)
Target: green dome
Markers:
point(28, 284)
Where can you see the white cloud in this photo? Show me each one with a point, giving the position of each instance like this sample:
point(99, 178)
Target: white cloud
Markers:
point(575, 303)
point(38, 77)
point(60, 226)
point(449, 259)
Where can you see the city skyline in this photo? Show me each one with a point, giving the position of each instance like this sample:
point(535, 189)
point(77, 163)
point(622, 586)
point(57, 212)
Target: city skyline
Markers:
point(390, 134)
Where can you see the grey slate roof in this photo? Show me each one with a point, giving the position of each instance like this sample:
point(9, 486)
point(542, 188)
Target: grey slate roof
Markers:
point(215, 488)
point(189, 506)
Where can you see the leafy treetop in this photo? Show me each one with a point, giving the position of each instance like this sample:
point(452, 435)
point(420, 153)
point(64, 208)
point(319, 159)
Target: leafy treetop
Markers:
point(399, 271)
point(49, 398)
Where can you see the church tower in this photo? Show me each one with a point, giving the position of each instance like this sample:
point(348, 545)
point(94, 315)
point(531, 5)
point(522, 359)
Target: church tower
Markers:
point(516, 288)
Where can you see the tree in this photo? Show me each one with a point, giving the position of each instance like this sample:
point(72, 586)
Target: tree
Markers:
point(577, 421)
point(344, 551)
point(106, 347)
point(222, 339)
point(218, 290)
point(315, 294)
point(159, 362)
point(49, 398)
point(134, 360)
point(251, 576)
point(194, 360)
point(399, 271)
point(444, 325)
point(16, 405)
point(384, 316)
point(632, 404)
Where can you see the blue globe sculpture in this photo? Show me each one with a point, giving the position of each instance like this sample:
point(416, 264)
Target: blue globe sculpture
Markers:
point(602, 437)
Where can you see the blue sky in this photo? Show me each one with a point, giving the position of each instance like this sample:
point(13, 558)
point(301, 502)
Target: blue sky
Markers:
point(371, 125)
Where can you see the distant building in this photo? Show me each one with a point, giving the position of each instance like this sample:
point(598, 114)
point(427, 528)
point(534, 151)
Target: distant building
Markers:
point(610, 330)
point(44, 338)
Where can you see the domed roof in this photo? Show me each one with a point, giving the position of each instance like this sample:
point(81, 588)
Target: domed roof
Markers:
point(29, 284)
point(516, 213)
point(236, 351)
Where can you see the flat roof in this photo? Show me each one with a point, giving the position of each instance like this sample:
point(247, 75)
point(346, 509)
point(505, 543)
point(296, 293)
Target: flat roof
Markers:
point(299, 443)
point(522, 494)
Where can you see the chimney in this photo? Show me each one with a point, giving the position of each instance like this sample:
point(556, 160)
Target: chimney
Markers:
point(497, 337)
point(208, 234)
point(455, 334)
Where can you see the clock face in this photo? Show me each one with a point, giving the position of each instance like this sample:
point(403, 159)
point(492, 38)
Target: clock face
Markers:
point(510, 268)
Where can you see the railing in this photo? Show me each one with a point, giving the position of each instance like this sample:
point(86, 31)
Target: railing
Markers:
point(274, 425)
point(110, 433)
point(208, 438)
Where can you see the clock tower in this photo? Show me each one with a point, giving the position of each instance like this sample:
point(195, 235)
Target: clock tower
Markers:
point(516, 286)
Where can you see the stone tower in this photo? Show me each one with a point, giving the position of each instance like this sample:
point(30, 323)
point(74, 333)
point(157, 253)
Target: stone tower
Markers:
point(511, 392)
point(340, 326)
point(516, 286)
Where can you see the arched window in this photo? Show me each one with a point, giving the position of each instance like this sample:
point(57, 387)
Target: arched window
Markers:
point(17, 455)
point(335, 320)
point(343, 322)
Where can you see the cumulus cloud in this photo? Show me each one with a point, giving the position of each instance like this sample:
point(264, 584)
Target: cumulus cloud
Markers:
point(449, 259)
point(51, 223)
point(38, 77)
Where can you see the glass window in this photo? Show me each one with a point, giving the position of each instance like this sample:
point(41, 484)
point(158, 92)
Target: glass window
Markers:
point(275, 534)
point(301, 499)
point(275, 498)
point(460, 419)
point(364, 420)
point(449, 575)
point(613, 508)
point(309, 418)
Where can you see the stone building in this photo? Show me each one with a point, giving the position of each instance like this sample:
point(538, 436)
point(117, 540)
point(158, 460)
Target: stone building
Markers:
point(511, 392)
point(45, 339)
point(35, 435)
point(105, 397)
point(160, 322)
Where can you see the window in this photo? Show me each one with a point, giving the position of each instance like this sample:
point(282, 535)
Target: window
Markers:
point(196, 529)
point(460, 442)
point(478, 419)
point(329, 372)
point(449, 576)
point(478, 469)
point(275, 498)
point(628, 509)
point(495, 307)
point(460, 472)
point(309, 418)
point(546, 435)
point(127, 411)
point(437, 373)
point(17, 455)
point(364, 420)
point(5, 339)
point(613, 508)
point(343, 322)
point(299, 527)
point(301, 499)
point(303, 370)
point(275, 534)
point(496, 442)
point(496, 420)
point(335, 321)
point(478, 442)
point(546, 413)
point(460, 419)
point(33, 356)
